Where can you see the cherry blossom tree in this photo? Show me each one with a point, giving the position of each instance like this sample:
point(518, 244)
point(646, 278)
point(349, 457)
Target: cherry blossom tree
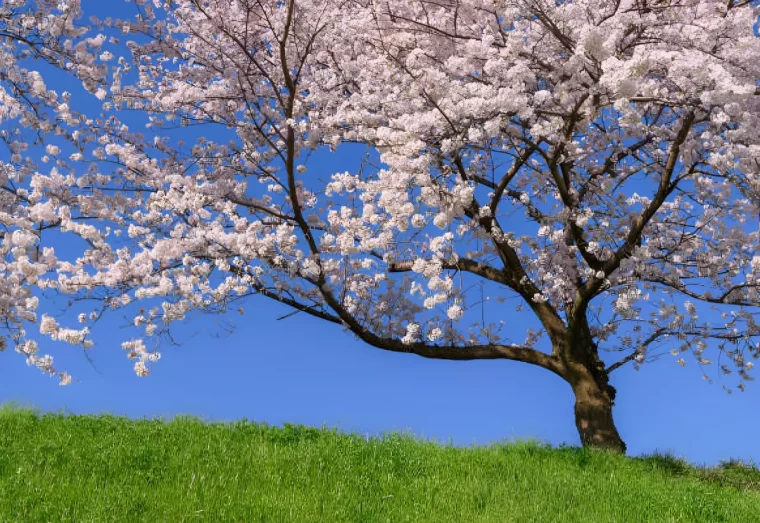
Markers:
point(571, 185)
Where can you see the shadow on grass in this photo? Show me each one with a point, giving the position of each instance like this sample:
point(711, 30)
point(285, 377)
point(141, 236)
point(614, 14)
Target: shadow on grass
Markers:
point(730, 473)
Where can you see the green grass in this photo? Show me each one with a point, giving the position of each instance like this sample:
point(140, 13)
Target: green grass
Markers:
point(105, 468)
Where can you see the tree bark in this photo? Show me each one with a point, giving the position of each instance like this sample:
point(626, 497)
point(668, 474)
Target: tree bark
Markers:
point(593, 414)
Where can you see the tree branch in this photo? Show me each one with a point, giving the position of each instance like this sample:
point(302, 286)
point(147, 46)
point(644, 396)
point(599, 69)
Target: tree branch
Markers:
point(461, 264)
point(298, 306)
point(511, 173)
point(473, 352)
point(653, 337)
point(664, 189)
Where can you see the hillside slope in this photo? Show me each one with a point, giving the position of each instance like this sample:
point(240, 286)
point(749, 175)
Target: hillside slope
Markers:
point(104, 468)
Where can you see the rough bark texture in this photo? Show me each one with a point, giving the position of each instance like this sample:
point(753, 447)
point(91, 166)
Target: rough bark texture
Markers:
point(593, 415)
point(585, 372)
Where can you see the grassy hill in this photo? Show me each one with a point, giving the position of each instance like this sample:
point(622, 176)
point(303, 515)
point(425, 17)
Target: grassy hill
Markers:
point(104, 468)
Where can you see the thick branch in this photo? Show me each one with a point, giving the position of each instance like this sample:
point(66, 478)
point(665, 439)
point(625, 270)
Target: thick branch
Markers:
point(634, 234)
point(461, 264)
point(474, 352)
point(516, 276)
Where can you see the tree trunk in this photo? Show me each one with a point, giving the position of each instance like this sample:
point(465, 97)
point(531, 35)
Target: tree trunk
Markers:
point(593, 414)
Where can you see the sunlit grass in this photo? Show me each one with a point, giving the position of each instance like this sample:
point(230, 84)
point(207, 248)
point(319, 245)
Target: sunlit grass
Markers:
point(105, 468)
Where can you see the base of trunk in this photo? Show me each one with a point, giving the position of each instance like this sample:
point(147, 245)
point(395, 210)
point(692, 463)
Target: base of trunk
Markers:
point(593, 418)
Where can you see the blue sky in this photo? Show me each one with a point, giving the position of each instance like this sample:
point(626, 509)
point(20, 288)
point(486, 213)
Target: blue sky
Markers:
point(302, 370)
